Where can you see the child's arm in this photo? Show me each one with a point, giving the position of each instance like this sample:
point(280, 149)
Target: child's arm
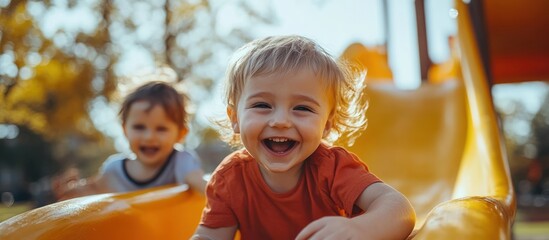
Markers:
point(206, 233)
point(196, 181)
point(389, 215)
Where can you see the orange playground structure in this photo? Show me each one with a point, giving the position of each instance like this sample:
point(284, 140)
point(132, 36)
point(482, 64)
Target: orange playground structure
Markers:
point(439, 144)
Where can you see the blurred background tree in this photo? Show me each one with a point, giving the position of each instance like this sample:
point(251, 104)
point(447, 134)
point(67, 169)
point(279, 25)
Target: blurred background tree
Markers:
point(538, 173)
point(61, 59)
point(525, 121)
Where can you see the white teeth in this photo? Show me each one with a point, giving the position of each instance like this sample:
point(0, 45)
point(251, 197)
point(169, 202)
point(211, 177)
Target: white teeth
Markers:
point(278, 139)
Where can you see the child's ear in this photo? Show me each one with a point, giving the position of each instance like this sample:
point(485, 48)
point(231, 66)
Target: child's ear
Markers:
point(231, 112)
point(124, 129)
point(327, 127)
point(183, 133)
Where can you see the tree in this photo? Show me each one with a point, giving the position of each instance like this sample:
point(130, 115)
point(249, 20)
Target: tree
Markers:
point(46, 84)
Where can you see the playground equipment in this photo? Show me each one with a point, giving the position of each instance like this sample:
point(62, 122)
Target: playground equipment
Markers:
point(514, 40)
point(440, 145)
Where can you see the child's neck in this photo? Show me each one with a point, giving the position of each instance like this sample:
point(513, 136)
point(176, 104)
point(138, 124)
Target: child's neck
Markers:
point(281, 182)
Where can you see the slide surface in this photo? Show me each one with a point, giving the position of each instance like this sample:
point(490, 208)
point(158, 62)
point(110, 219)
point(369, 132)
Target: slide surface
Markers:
point(170, 212)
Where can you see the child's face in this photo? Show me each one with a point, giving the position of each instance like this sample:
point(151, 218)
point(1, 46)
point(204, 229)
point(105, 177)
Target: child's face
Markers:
point(151, 133)
point(282, 119)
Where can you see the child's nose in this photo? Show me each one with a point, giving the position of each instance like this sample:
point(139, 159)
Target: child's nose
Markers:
point(280, 119)
point(148, 134)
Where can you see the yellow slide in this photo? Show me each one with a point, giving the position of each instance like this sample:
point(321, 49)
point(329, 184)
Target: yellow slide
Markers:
point(440, 145)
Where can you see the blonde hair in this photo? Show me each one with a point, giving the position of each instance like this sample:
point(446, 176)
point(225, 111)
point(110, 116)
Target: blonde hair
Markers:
point(286, 54)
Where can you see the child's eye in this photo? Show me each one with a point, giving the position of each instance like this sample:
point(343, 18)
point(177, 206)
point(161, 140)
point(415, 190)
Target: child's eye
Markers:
point(303, 108)
point(138, 127)
point(161, 129)
point(260, 105)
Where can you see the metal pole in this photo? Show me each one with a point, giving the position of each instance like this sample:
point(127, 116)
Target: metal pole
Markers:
point(424, 60)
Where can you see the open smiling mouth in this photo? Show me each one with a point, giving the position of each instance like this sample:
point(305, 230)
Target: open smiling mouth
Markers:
point(279, 145)
point(149, 150)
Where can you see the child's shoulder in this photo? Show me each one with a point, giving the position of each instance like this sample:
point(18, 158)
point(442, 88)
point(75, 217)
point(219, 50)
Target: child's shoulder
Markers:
point(185, 160)
point(117, 157)
point(113, 161)
point(185, 154)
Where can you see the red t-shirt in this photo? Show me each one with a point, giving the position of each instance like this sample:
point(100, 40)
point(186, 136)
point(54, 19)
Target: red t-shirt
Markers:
point(331, 181)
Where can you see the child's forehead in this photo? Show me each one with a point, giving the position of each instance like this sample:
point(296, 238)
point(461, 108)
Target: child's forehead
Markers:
point(305, 80)
point(145, 109)
point(145, 105)
point(280, 74)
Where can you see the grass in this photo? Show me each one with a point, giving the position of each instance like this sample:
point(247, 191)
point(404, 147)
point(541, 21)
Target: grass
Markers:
point(531, 224)
point(531, 230)
point(15, 209)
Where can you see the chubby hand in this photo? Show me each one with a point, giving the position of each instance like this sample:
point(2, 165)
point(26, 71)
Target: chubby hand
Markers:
point(331, 228)
point(64, 182)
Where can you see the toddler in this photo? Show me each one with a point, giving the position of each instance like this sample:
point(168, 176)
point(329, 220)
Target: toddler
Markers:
point(287, 100)
point(154, 121)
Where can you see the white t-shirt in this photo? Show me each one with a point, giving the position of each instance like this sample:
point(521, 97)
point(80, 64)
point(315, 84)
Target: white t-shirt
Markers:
point(174, 170)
